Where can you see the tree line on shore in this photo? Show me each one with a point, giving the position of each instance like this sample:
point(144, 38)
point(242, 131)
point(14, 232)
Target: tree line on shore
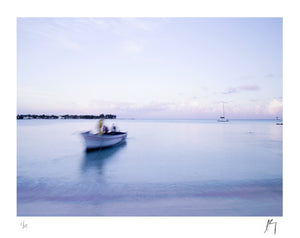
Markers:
point(30, 116)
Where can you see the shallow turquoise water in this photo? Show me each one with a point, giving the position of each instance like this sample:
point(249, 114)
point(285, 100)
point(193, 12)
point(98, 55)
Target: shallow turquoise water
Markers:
point(166, 168)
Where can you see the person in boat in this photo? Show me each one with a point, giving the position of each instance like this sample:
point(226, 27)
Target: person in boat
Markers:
point(105, 129)
point(100, 126)
point(113, 128)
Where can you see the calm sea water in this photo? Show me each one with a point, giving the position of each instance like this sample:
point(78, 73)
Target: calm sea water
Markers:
point(166, 168)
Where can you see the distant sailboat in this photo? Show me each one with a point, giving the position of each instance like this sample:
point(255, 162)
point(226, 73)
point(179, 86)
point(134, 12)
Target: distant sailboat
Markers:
point(222, 118)
point(280, 121)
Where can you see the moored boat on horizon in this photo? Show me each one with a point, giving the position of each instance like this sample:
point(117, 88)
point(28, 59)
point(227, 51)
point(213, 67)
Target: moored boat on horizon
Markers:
point(279, 121)
point(222, 118)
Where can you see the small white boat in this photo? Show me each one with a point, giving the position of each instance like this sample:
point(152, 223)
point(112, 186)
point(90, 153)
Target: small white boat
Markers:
point(96, 141)
point(222, 118)
point(279, 121)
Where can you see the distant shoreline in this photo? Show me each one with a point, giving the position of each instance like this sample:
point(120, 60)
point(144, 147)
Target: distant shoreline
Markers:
point(33, 116)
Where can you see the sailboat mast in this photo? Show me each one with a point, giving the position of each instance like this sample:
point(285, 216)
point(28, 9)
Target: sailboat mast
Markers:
point(223, 110)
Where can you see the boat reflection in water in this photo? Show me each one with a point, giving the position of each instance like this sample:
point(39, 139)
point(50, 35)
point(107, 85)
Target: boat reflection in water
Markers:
point(96, 159)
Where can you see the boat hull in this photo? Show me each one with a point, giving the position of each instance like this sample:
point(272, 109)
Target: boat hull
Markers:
point(95, 141)
point(223, 120)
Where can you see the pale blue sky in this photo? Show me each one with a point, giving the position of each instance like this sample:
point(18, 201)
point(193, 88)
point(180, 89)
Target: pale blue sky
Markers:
point(150, 67)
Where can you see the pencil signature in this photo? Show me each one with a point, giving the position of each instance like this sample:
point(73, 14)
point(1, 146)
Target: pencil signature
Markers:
point(269, 223)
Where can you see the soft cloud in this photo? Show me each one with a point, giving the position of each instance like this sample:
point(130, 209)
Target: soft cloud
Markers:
point(241, 88)
point(139, 23)
point(269, 76)
point(129, 107)
point(230, 90)
point(132, 47)
point(249, 87)
point(68, 44)
point(186, 108)
point(52, 30)
point(256, 109)
point(275, 107)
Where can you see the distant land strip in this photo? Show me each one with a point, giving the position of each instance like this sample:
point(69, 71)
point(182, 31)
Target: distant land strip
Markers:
point(30, 116)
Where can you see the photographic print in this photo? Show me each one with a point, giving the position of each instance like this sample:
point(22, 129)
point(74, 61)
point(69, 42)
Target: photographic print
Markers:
point(149, 116)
